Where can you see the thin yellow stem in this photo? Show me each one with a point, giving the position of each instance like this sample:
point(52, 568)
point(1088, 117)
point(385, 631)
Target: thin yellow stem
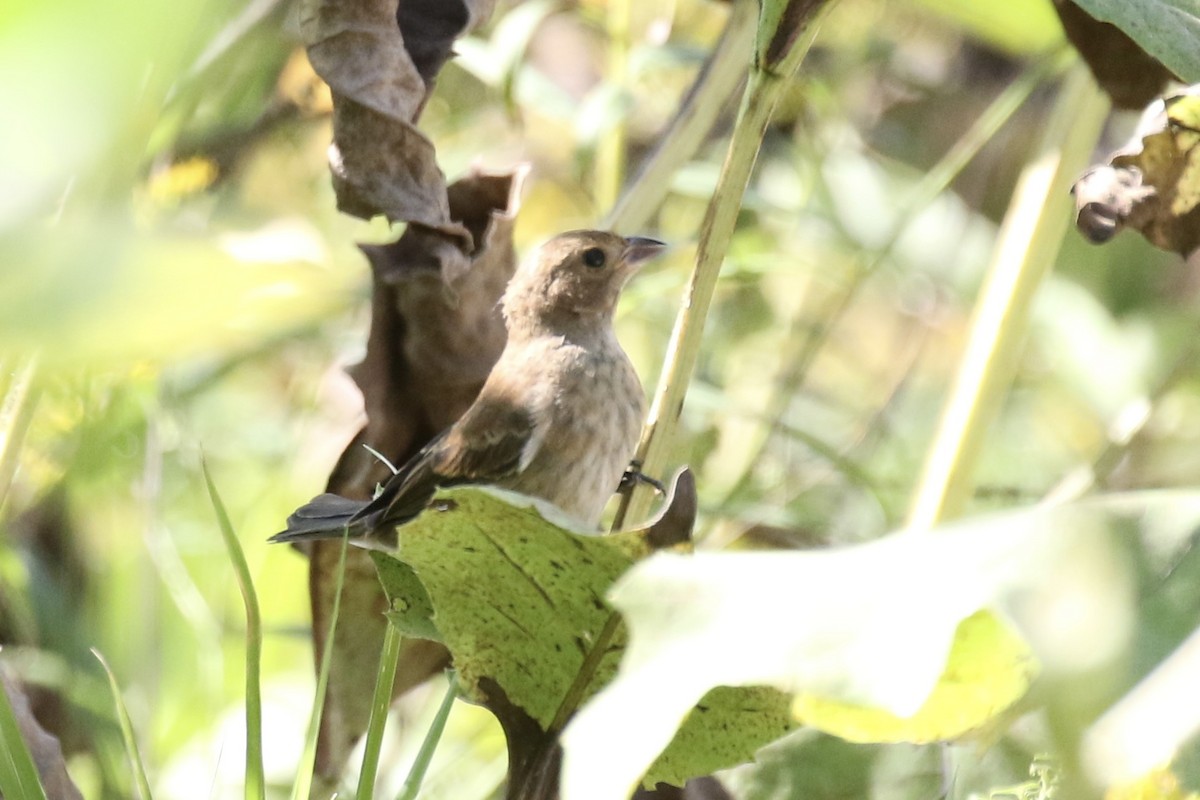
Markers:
point(610, 150)
point(1025, 250)
point(758, 102)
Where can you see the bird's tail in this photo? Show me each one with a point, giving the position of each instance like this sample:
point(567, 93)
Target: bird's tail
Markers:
point(326, 516)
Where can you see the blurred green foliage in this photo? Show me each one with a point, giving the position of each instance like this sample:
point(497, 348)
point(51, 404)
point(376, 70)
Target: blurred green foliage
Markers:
point(172, 266)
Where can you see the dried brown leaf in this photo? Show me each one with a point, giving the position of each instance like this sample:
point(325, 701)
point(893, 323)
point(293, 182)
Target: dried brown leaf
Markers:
point(436, 331)
point(379, 59)
point(1152, 184)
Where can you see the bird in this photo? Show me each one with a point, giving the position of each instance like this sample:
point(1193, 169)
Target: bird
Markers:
point(558, 418)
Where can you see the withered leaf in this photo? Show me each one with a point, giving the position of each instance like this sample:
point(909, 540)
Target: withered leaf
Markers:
point(435, 333)
point(380, 59)
point(1152, 184)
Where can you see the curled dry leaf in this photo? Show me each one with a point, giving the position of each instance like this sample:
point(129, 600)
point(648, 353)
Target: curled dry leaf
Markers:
point(436, 331)
point(1127, 73)
point(1152, 184)
point(380, 61)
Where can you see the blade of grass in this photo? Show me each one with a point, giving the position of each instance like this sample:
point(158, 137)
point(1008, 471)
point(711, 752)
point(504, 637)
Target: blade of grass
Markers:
point(131, 748)
point(381, 701)
point(1025, 250)
point(18, 775)
point(412, 784)
point(308, 758)
point(255, 783)
point(801, 350)
point(16, 412)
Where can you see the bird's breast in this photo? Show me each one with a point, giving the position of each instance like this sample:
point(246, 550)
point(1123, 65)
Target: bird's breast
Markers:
point(596, 411)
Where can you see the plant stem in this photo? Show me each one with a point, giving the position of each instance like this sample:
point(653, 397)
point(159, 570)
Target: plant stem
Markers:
point(610, 149)
point(18, 774)
point(255, 782)
point(16, 412)
point(762, 93)
point(126, 726)
point(381, 700)
point(308, 758)
point(801, 351)
point(705, 102)
point(1025, 250)
point(412, 784)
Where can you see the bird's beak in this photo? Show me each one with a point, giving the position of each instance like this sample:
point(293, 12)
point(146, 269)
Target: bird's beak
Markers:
point(639, 249)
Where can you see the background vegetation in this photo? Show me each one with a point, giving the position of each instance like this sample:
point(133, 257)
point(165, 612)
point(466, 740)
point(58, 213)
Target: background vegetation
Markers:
point(175, 281)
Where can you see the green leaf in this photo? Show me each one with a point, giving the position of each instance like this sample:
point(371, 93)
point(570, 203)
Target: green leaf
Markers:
point(516, 598)
point(878, 626)
point(411, 609)
point(726, 727)
point(18, 775)
point(988, 669)
point(1023, 27)
point(1166, 29)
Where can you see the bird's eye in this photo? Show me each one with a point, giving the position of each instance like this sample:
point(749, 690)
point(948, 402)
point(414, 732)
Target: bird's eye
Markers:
point(593, 257)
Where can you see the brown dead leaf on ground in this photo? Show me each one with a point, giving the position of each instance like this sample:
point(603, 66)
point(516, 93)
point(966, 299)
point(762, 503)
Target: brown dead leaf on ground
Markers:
point(436, 331)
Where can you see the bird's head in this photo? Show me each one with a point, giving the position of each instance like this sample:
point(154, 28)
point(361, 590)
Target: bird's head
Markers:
point(575, 275)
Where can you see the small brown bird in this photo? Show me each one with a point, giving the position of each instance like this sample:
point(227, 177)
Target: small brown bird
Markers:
point(558, 417)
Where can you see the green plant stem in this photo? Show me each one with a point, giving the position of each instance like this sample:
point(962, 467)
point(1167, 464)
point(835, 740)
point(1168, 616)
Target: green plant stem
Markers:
point(123, 721)
point(801, 351)
point(708, 98)
point(255, 782)
point(381, 700)
point(762, 92)
point(1127, 430)
point(412, 783)
point(304, 770)
point(758, 102)
point(16, 412)
point(610, 149)
point(1025, 250)
point(18, 775)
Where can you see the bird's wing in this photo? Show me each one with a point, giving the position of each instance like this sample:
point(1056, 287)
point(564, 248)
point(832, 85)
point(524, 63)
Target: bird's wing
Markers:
point(494, 439)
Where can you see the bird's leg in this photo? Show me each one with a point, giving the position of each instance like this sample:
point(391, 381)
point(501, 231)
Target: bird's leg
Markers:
point(634, 475)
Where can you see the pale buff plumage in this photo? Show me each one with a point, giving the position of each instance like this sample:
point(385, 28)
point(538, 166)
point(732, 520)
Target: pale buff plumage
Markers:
point(558, 417)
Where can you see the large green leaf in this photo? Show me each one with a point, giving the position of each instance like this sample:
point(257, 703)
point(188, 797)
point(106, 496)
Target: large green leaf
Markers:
point(518, 599)
point(1166, 29)
point(909, 638)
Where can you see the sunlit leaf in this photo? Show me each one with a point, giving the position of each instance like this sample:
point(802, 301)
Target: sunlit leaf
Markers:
point(107, 295)
point(988, 669)
point(515, 597)
point(1022, 26)
point(1167, 29)
point(877, 626)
